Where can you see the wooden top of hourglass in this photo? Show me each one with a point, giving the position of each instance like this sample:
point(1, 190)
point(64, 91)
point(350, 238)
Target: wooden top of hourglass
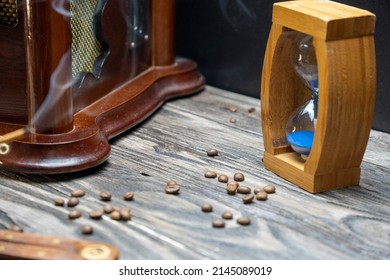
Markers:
point(324, 19)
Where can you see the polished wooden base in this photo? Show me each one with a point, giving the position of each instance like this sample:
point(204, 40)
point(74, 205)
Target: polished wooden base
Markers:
point(86, 145)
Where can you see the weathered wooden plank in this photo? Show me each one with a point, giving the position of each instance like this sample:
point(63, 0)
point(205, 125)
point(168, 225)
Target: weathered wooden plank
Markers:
point(352, 223)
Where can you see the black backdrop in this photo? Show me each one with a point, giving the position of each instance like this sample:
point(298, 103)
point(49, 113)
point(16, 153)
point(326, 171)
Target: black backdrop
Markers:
point(228, 37)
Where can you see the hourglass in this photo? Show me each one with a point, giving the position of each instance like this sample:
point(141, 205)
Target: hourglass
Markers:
point(301, 123)
point(317, 111)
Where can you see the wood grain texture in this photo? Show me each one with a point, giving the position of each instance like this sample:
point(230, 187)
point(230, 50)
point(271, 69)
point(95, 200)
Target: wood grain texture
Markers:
point(352, 223)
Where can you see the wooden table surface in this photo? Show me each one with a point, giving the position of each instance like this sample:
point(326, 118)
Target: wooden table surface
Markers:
point(351, 223)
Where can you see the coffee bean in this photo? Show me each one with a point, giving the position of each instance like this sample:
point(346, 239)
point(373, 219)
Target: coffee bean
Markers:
point(223, 178)
point(172, 189)
point(108, 209)
point(115, 215)
point(251, 110)
point(244, 190)
point(77, 193)
point(239, 177)
point(125, 209)
point(262, 195)
point(86, 229)
point(212, 153)
point(59, 201)
point(248, 198)
point(210, 174)
point(227, 215)
point(96, 214)
point(75, 214)
point(73, 201)
point(15, 228)
point(125, 215)
point(269, 189)
point(207, 207)
point(218, 223)
point(232, 187)
point(244, 221)
point(232, 108)
point(171, 182)
point(232, 120)
point(105, 196)
point(128, 196)
point(256, 190)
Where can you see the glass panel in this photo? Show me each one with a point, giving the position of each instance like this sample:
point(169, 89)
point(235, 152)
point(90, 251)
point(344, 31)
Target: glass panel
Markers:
point(8, 13)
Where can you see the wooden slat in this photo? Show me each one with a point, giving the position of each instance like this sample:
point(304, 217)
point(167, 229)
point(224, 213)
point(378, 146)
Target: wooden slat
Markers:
point(351, 223)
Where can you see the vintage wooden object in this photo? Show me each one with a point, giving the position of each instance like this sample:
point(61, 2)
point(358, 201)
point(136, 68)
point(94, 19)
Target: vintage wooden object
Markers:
point(76, 73)
point(344, 47)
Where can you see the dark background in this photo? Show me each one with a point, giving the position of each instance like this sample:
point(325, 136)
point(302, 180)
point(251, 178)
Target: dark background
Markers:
point(228, 38)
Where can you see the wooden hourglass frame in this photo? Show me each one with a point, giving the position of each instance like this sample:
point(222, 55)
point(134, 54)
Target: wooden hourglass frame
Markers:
point(133, 71)
point(344, 46)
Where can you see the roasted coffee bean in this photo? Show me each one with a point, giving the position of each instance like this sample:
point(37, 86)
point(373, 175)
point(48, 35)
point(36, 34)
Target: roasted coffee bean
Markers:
point(96, 214)
point(248, 198)
point(86, 229)
point(239, 177)
point(125, 215)
point(210, 174)
point(172, 189)
point(105, 196)
point(59, 201)
point(218, 223)
point(207, 207)
point(171, 182)
point(244, 190)
point(75, 214)
point(227, 215)
point(244, 221)
point(15, 228)
point(256, 190)
point(251, 110)
point(115, 215)
point(269, 189)
point(108, 209)
point(73, 201)
point(128, 196)
point(262, 195)
point(78, 193)
point(232, 120)
point(212, 153)
point(223, 178)
point(232, 108)
point(232, 187)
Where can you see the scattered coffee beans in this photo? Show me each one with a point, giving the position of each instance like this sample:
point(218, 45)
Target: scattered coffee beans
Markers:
point(128, 196)
point(75, 214)
point(252, 110)
point(244, 221)
point(207, 207)
point(244, 190)
point(172, 189)
point(73, 201)
point(59, 202)
point(15, 228)
point(248, 198)
point(212, 153)
point(86, 229)
point(231, 187)
point(115, 215)
point(269, 189)
point(210, 174)
point(262, 195)
point(96, 214)
point(171, 182)
point(105, 196)
point(77, 193)
point(239, 177)
point(218, 223)
point(108, 209)
point(227, 215)
point(223, 178)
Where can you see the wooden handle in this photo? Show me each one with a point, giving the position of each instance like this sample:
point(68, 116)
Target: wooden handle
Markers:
point(16, 245)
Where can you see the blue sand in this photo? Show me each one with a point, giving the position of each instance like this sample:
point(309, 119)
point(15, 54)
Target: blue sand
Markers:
point(301, 141)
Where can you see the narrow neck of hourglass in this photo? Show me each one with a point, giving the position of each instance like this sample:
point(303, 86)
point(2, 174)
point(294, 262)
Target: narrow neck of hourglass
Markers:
point(314, 96)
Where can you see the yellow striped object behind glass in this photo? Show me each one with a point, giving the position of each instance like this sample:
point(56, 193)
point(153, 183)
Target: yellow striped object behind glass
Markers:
point(8, 13)
point(85, 47)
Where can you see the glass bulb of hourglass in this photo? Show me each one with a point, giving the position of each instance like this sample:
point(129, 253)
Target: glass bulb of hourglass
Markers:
point(302, 122)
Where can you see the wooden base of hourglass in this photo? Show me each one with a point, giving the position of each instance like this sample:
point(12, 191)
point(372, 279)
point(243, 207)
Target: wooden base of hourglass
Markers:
point(345, 51)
